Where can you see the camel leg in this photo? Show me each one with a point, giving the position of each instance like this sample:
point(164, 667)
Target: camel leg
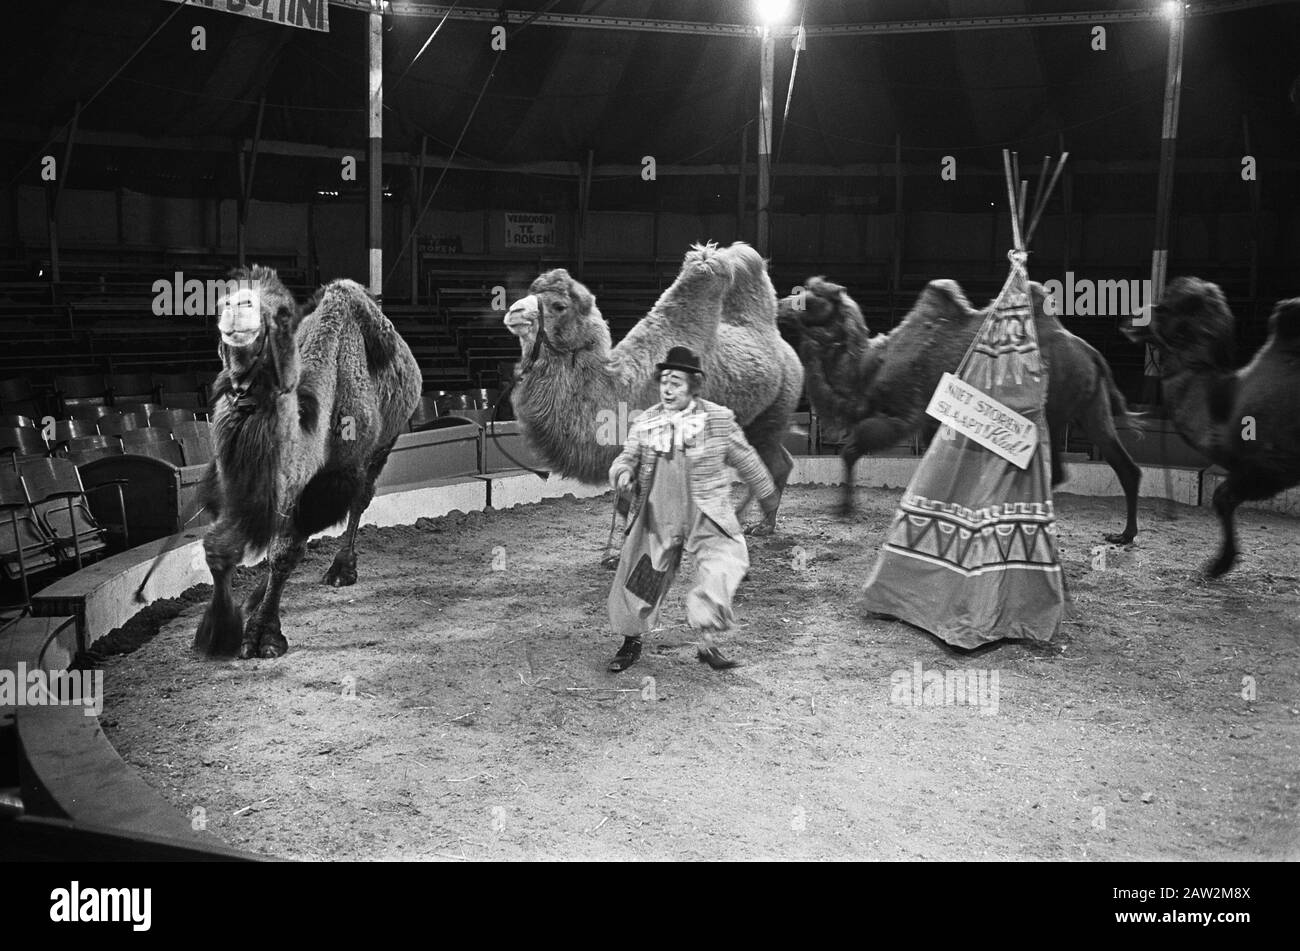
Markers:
point(255, 596)
point(1058, 471)
point(850, 454)
point(262, 637)
point(222, 624)
point(1226, 501)
point(343, 571)
point(1099, 426)
point(779, 464)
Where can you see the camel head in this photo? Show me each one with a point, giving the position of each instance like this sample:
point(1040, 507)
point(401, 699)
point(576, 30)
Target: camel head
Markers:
point(1192, 321)
point(822, 312)
point(255, 303)
point(559, 305)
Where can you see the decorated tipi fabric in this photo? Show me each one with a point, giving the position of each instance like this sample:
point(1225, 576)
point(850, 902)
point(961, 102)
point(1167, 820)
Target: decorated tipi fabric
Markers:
point(971, 554)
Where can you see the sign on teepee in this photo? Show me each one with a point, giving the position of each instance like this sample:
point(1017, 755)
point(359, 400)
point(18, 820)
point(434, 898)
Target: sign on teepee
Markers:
point(971, 553)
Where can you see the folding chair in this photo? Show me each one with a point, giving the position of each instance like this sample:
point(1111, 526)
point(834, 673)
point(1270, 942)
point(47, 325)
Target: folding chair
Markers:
point(13, 507)
point(120, 423)
point(130, 388)
point(453, 403)
point(76, 390)
point(425, 412)
point(169, 419)
point(197, 445)
point(90, 411)
point(83, 449)
point(147, 409)
point(25, 548)
point(155, 443)
point(58, 500)
point(81, 452)
point(22, 442)
point(17, 396)
point(178, 390)
point(66, 429)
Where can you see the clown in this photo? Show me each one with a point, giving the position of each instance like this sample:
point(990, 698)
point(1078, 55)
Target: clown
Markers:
point(678, 453)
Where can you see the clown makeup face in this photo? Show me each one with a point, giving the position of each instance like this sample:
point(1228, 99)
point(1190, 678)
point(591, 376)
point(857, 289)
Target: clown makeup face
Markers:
point(675, 390)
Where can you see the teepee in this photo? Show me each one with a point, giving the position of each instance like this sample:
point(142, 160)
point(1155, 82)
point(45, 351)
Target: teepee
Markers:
point(971, 553)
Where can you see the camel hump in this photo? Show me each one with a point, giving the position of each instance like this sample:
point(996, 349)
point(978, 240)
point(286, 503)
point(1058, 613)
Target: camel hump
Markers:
point(751, 301)
point(378, 334)
point(944, 300)
point(1284, 324)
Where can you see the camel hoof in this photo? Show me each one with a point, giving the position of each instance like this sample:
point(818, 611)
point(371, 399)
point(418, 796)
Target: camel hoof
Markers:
point(760, 529)
point(1220, 566)
point(340, 575)
point(610, 562)
point(247, 650)
point(1120, 538)
point(273, 645)
point(218, 632)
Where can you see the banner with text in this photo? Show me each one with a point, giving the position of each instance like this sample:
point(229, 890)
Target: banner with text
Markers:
point(981, 418)
point(306, 14)
point(527, 230)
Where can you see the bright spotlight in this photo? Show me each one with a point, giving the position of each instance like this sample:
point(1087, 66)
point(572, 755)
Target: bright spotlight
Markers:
point(771, 12)
point(1172, 9)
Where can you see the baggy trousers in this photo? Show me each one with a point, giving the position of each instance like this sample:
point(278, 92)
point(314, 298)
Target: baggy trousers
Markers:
point(648, 564)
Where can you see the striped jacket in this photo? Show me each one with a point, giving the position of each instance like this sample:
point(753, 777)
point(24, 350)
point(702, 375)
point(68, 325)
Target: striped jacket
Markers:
point(719, 443)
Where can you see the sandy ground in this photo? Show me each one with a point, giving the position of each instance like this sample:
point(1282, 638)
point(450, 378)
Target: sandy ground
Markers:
point(454, 705)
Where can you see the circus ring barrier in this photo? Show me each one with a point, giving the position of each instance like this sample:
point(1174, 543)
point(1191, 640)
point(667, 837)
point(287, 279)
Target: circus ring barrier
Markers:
point(80, 800)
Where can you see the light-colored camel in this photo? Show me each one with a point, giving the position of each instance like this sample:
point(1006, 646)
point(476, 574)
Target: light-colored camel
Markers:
point(305, 413)
point(571, 384)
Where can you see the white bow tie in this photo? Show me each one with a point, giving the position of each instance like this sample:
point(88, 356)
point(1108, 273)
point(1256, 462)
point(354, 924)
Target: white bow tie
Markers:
point(675, 430)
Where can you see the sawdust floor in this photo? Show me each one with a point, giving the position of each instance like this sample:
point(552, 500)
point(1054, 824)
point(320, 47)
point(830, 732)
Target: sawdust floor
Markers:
point(443, 709)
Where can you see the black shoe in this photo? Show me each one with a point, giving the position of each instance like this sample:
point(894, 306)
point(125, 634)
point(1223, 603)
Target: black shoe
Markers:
point(627, 655)
point(713, 657)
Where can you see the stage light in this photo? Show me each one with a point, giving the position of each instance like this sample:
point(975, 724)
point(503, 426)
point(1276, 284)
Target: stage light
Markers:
point(771, 12)
point(1173, 9)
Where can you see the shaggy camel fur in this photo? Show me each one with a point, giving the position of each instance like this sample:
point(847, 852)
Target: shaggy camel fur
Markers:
point(570, 383)
point(305, 413)
point(876, 388)
point(1246, 420)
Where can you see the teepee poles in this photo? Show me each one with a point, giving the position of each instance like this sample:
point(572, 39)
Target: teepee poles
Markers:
point(1011, 201)
point(1042, 205)
point(1022, 236)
